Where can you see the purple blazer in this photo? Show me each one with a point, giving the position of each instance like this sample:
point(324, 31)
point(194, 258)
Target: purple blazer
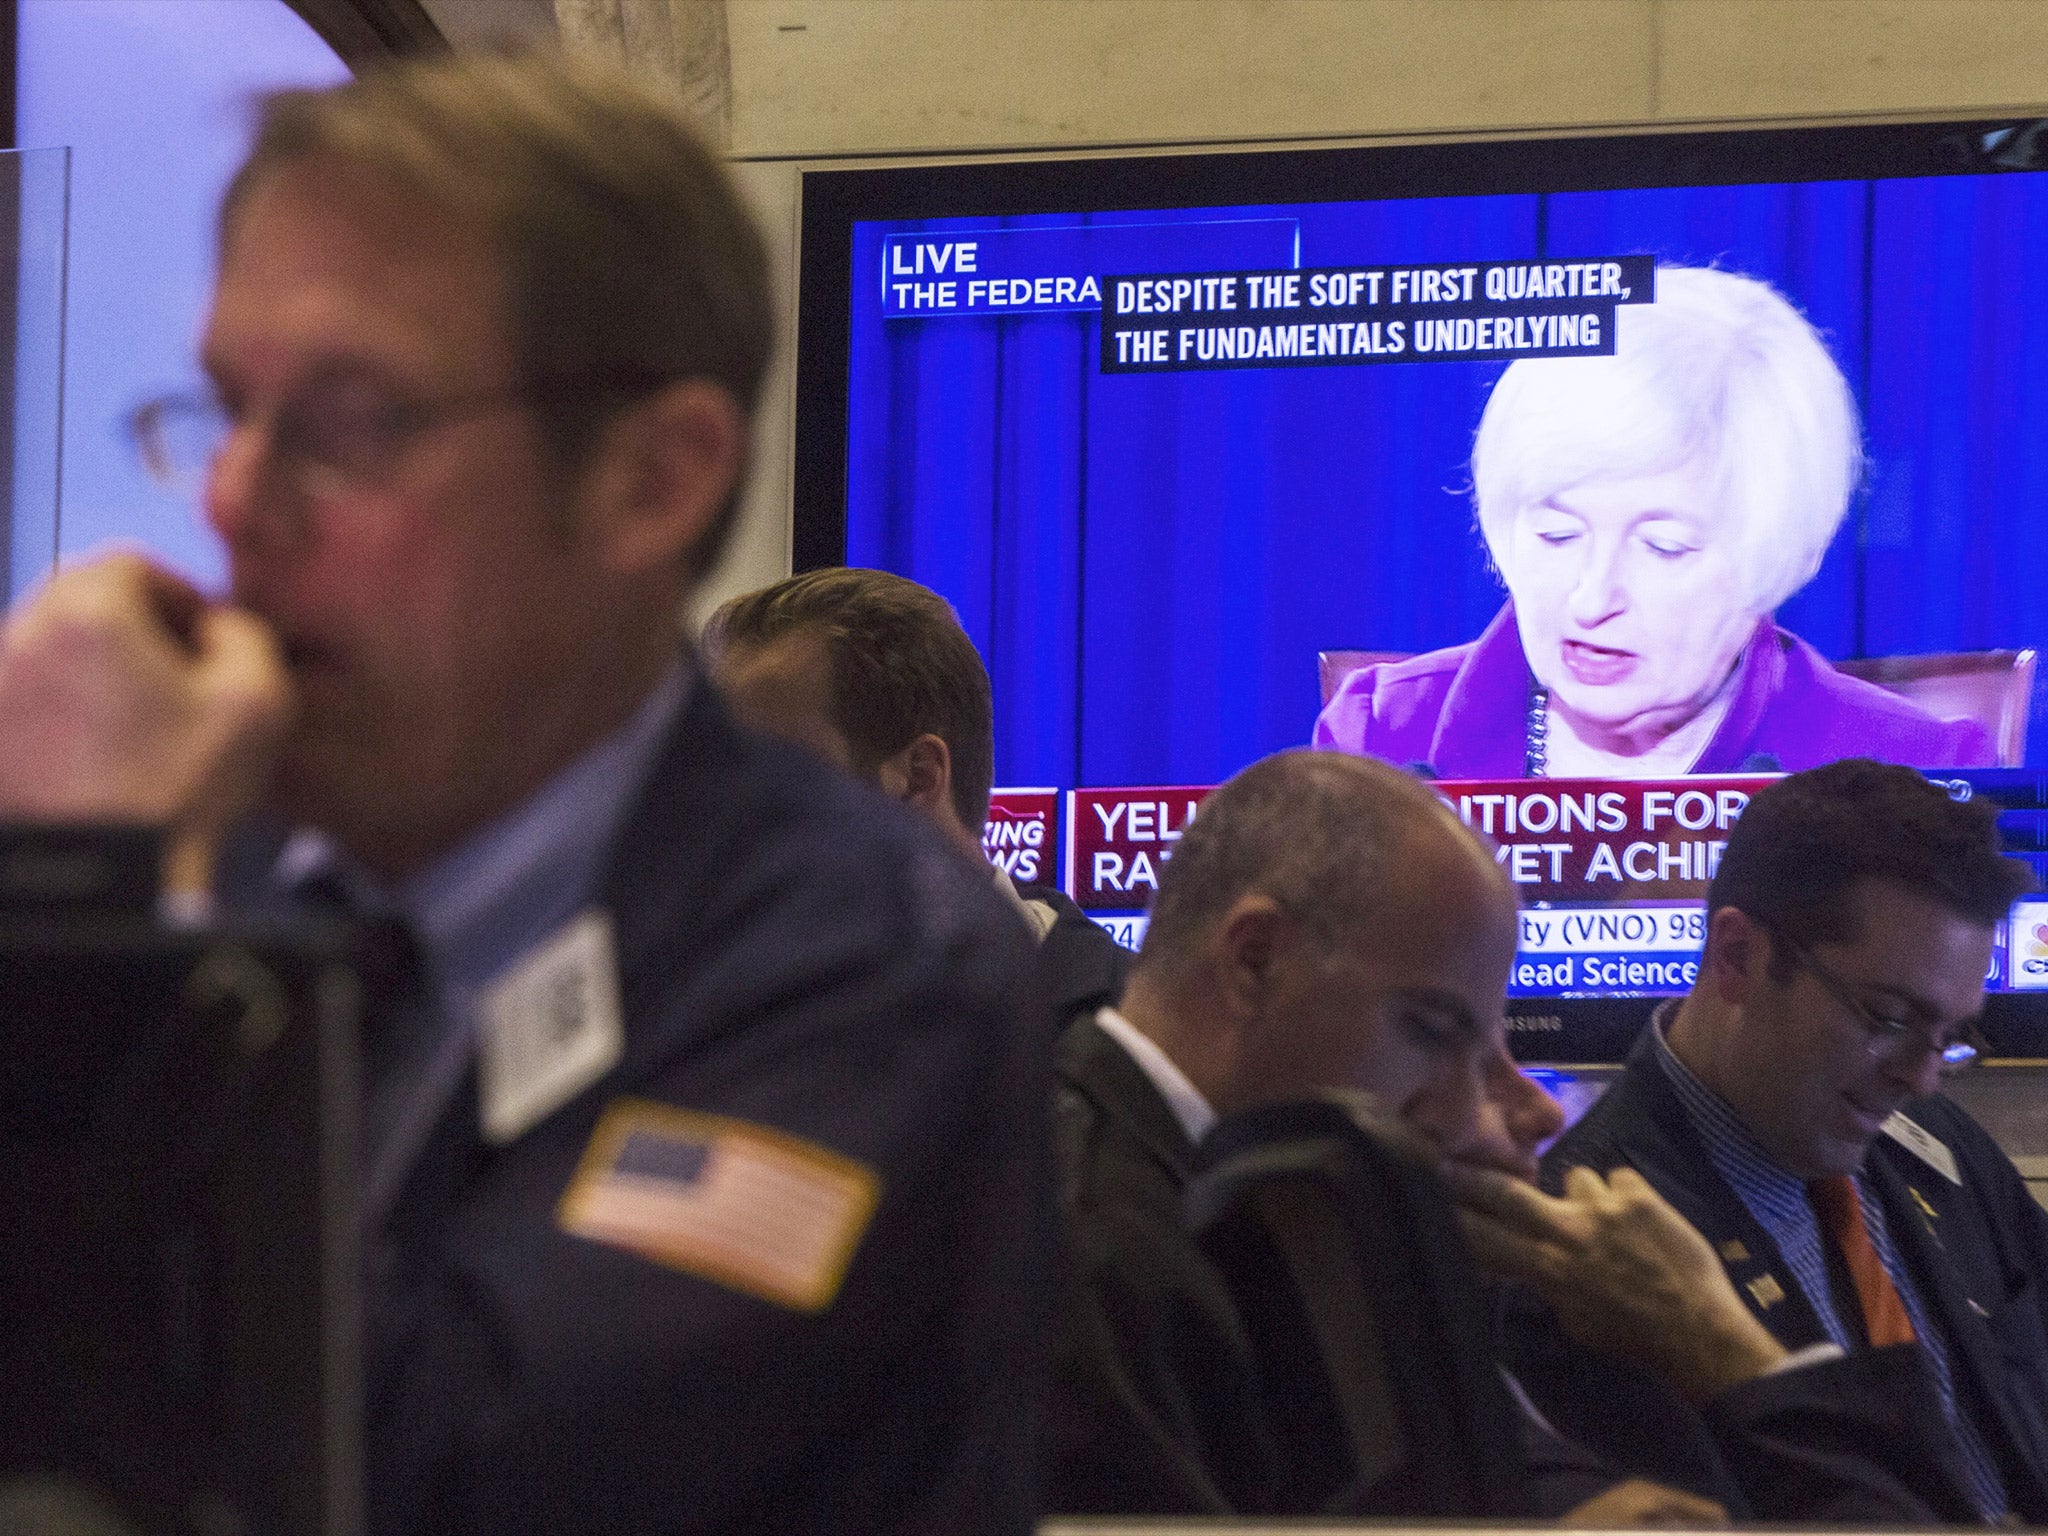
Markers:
point(1464, 711)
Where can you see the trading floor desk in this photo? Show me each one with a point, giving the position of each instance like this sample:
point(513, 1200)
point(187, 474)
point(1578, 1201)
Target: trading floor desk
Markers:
point(1374, 1528)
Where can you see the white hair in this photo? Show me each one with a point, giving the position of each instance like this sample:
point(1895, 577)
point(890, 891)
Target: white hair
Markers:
point(1720, 370)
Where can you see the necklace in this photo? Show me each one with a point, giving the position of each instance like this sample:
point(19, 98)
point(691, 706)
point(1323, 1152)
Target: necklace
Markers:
point(1536, 764)
point(1536, 759)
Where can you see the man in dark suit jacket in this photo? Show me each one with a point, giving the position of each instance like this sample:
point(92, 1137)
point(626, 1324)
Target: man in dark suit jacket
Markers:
point(1787, 1108)
point(536, 1371)
point(873, 672)
point(1077, 969)
point(1157, 1407)
point(704, 1156)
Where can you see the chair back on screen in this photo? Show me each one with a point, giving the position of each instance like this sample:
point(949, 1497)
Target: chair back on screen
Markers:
point(1339, 1249)
point(1994, 688)
point(1332, 667)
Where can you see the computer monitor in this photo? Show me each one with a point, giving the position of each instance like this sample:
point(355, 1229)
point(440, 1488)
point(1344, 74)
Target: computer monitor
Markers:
point(179, 1304)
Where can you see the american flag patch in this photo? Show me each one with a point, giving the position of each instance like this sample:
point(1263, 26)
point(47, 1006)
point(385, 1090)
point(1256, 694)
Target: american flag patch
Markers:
point(748, 1207)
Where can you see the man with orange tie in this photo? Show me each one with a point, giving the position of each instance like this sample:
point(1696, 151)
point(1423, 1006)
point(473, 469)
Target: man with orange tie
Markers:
point(1788, 1108)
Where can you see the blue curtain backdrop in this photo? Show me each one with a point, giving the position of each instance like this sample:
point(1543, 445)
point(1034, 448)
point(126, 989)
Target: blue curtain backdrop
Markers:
point(1150, 562)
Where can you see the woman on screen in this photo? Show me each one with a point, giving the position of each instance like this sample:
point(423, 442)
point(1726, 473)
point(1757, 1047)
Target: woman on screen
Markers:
point(1648, 511)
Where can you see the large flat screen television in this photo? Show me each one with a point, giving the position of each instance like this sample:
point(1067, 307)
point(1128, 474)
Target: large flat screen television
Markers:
point(1503, 460)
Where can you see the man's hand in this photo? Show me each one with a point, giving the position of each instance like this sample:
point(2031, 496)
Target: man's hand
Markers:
point(1624, 1272)
point(125, 697)
point(1638, 1503)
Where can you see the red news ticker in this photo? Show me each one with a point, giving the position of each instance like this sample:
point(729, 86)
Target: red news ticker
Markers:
point(1119, 839)
point(1604, 840)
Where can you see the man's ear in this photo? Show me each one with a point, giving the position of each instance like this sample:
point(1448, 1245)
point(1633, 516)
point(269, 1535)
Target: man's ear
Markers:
point(1737, 954)
point(661, 474)
point(921, 775)
point(1245, 948)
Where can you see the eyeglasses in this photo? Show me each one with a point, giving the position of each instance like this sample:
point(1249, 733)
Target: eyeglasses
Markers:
point(335, 434)
point(327, 440)
point(1890, 1039)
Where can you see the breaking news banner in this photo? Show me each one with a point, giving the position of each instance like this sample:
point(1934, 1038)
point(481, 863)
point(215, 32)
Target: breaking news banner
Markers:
point(1336, 316)
point(1022, 834)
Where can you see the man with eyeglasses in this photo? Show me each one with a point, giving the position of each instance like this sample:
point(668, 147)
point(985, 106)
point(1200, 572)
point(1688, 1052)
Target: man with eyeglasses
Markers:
point(695, 1197)
point(1788, 1108)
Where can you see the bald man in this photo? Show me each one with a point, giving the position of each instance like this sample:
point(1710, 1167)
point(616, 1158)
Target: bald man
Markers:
point(1327, 922)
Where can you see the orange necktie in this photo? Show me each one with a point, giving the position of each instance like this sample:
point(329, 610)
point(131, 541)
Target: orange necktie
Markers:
point(1840, 1210)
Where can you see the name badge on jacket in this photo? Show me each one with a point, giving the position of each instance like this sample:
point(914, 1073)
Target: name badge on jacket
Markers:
point(550, 1027)
point(1923, 1144)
